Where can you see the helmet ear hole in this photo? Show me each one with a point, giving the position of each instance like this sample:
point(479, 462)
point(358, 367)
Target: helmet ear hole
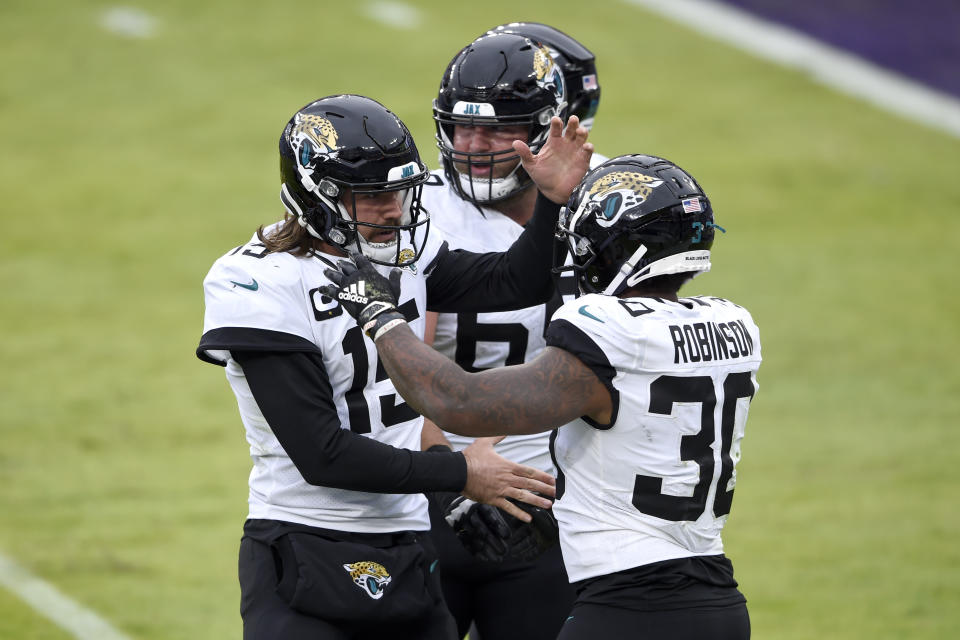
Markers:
point(321, 218)
point(320, 221)
point(615, 254)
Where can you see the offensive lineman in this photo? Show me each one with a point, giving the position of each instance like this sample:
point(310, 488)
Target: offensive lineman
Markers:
point(502, 575)
point(333, 545)
point(657, 388)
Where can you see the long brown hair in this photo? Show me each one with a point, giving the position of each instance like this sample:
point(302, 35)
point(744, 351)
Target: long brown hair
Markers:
point(288, 237)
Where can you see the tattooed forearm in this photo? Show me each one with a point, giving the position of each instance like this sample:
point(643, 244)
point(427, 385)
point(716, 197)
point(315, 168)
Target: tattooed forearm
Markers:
point(538, 396)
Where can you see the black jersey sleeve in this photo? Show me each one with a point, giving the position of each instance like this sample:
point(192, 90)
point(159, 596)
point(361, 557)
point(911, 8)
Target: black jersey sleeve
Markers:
point(295, 396)
point(223, 339)
point(463, 281)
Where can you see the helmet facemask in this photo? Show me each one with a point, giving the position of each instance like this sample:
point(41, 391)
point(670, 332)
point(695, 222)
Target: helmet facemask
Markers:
point(483, 187)
point(403, 249)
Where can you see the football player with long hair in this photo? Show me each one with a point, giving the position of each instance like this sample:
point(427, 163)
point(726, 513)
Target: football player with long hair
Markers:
point(645, 394)
point(334, 543)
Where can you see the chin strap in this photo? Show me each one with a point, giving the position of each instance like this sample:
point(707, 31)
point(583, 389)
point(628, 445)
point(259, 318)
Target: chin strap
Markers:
point(626, 269)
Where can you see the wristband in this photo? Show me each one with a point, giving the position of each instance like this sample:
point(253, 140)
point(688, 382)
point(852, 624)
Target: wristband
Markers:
point(375, 327)
point(390, 325)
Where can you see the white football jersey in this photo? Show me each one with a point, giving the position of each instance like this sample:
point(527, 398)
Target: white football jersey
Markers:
point(657, 482)
point(478, 341)
point(278, 296)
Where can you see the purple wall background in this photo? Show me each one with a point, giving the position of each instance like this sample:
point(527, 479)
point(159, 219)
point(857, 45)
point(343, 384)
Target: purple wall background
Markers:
point(920, 39)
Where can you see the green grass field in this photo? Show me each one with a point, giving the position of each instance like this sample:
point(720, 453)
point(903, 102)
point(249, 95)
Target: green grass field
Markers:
point(129, 165)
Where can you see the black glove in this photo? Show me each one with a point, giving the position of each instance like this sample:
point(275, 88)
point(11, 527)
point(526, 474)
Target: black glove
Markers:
point(529, 539)
point(364, 293)
point(481, 528)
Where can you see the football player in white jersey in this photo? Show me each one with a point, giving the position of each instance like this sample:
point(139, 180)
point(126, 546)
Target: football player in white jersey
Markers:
point(647, 393)
point(504, 576)
point(333, 545)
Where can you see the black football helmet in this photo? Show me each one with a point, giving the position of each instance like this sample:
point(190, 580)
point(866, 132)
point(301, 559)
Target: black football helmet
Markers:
point(633, 218)
point(498, 80)
point(350, 141)
point(577, 63)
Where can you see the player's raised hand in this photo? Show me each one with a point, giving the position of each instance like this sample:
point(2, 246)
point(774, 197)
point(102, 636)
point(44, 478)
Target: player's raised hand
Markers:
point(561, 162)
point(492, 479)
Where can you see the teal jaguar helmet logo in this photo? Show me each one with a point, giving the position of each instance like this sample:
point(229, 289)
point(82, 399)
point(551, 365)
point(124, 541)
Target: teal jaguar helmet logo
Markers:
point(372, 577)
point(548, 73)
point(313, 137)
point(616, 192)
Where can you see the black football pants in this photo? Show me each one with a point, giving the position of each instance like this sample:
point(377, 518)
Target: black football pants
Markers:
point(267, 616)
point(510, 600)
point(596, 621)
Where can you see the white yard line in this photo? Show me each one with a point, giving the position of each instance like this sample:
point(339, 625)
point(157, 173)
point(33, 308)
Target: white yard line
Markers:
point(828, 65)
point(128, 22)
point(67, 614)
point(394, 14)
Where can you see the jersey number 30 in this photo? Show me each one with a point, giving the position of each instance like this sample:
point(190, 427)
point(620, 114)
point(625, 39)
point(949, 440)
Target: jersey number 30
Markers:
point(664, 392)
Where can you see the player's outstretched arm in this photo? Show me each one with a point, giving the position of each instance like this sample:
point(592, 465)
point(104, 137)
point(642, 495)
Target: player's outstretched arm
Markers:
point(543, 394)
point(547, 392)
point(561, 162)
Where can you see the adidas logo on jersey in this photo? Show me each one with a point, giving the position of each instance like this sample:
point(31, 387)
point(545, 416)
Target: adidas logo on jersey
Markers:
point(355, 293)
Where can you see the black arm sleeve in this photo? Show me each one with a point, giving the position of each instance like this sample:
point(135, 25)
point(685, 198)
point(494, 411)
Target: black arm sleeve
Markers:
point(463, 281)
point(295, 396)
